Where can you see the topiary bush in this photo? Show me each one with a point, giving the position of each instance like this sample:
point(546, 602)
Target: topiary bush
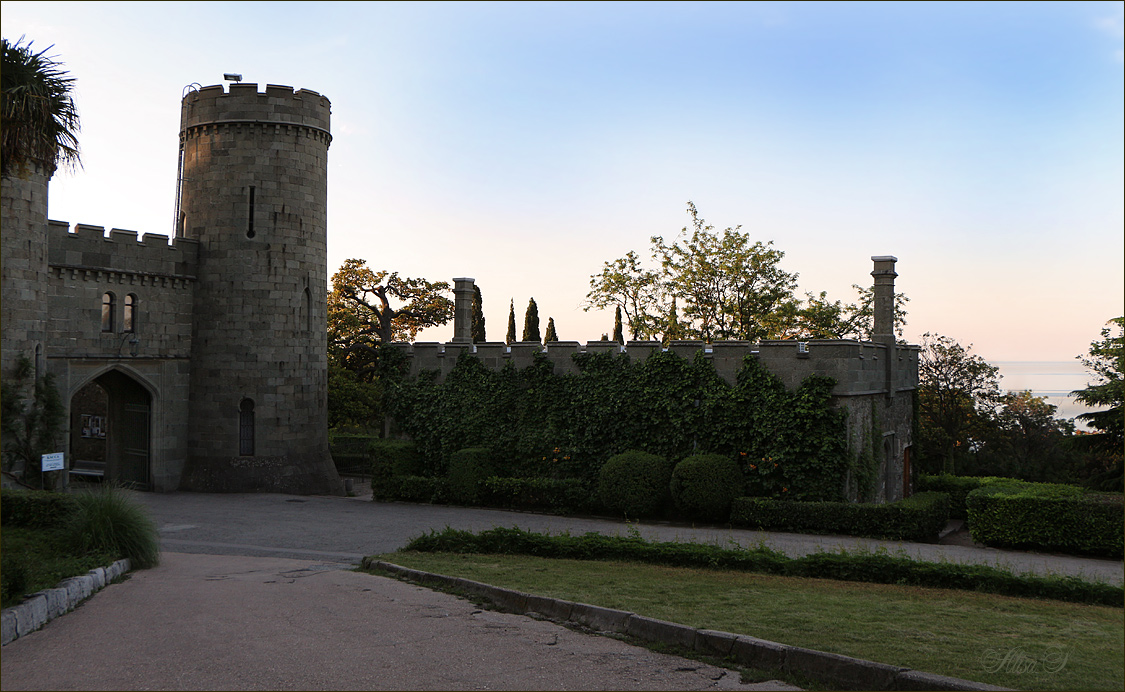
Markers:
point(1047, 516)
point(703, 486)
point(635, 484)
point(917, 518)
point(390, 459)
point(467, 470)
point(425, 489)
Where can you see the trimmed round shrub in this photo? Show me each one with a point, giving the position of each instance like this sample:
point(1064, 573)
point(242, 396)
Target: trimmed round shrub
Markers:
point(704, 486)
point(634, 484)
point(467, 470)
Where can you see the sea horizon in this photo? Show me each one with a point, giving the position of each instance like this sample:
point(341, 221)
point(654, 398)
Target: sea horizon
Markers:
point(1053, 380)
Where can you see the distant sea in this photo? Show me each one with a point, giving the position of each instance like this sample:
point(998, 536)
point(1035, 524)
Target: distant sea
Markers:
point(1054, 380)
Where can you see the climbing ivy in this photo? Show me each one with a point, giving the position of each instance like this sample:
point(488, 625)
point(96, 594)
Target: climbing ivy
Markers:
point(540, 424)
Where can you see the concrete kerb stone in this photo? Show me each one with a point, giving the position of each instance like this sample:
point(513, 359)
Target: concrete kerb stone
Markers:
point(749, 651)
point(40, 608)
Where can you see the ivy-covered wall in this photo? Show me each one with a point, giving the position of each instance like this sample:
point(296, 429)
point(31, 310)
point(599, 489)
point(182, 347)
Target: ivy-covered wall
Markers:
point(789, 443)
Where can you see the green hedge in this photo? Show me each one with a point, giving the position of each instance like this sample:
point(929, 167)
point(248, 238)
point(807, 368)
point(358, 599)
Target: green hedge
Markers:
point(876, 568)
point(561, 495)
point(424, 489)
point(917, 518)
point(635, 484)
point(1048, 517)
point(467, 470)
point(35, 509)
point(390, 459)
point(958, 488)
point(704, 486)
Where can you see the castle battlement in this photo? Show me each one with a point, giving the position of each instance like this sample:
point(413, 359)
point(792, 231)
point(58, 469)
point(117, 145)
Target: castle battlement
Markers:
point(858, 367)
point(244, 105)
point(91, 249)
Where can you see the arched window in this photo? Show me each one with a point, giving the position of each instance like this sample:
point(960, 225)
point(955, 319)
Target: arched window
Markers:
point(129, 323)
point(246, 428)
point(109, 306)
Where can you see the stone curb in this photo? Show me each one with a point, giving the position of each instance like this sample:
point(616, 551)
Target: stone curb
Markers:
point(852, 673)
point(40, 608)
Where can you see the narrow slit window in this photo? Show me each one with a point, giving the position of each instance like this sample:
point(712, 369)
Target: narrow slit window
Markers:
point(129, 321)
point(246, 428)
point(308, 311)
point(109, 303)
point(250, 215)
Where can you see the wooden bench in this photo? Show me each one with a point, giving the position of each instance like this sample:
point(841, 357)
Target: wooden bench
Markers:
point(81, 467)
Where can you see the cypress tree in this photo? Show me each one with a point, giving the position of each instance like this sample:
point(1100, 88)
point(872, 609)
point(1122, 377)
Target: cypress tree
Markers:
point(618, 334)
point(674, 332)
point(531, 322)
point(478, 317)
point(511, 323)
point(552, 335)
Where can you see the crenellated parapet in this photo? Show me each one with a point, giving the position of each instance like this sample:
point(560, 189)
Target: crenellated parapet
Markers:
point(89, 252)
point(213, 109)
point(857, 366)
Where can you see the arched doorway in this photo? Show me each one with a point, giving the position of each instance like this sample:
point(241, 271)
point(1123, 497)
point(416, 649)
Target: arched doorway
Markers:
point(109, 425)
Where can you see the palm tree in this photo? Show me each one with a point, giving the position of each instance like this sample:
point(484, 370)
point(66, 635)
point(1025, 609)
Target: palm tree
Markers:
point(40, 121)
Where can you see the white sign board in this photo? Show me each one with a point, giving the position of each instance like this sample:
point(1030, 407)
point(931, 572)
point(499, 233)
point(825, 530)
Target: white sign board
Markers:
point(53, 462)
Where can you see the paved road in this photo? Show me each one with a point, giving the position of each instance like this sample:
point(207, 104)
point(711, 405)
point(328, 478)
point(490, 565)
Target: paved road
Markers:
point(346, 529)
point(256, 592)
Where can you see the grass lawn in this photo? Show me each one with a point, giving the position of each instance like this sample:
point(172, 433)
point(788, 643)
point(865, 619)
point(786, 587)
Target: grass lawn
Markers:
point(39, 559)
point(1012, 642)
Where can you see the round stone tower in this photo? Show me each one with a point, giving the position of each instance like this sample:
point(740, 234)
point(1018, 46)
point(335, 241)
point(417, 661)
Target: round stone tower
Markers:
point(23, 266)
point(253, 191)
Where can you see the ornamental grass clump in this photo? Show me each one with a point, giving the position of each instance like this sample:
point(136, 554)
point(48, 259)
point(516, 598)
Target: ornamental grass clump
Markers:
point(109, 521)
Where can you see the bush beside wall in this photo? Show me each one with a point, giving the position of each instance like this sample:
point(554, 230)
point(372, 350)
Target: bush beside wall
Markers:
point(390, 459)
point(561, 495)
point(1048, 517)
point(467, 470)
point(917, 518)
point(34, 509)
point(703, 486)
point(635, 484)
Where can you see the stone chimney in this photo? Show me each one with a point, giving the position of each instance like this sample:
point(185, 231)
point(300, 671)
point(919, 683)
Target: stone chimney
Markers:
point(884, 308)
point(463, 310)
point(883, 330)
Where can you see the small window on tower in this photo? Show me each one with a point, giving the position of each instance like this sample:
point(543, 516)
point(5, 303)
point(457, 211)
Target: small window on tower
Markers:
point(129, 323)
point(246, 428)
point(109, 305)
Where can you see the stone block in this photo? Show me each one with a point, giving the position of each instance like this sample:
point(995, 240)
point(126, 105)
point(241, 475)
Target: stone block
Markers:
point(551, 608)
point(598, 618)
point(31, 614)
point(8, 626)
point(917, 680)
point(759, 653)
point(715, 642)
point(852, 673)
point(662, 631)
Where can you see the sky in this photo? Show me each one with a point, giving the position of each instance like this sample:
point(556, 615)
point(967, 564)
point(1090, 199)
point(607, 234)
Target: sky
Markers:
point(524, 145)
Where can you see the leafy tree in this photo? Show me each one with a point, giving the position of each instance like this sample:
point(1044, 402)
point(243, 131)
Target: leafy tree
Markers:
point(1024, 439)
point(511, 337)
point(531, 322)
point(731, 288)
point(820, 318)
point(957, 393)
point(552, 335)
point(1106, 362)
point(361, 315)
point(40, 121)
point(632, 289)
point(618, 334)
point(478, 317)
point(30, 427)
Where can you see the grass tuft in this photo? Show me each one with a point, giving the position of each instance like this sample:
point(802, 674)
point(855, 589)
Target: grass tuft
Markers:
point(109, 521)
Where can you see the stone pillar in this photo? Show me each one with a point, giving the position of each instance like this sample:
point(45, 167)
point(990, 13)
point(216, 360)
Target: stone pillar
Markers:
point(884, 307)
point(883, 330)
point(463, 310)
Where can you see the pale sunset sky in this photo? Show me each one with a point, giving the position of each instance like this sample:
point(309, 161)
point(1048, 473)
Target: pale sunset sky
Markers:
point(524, 144)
